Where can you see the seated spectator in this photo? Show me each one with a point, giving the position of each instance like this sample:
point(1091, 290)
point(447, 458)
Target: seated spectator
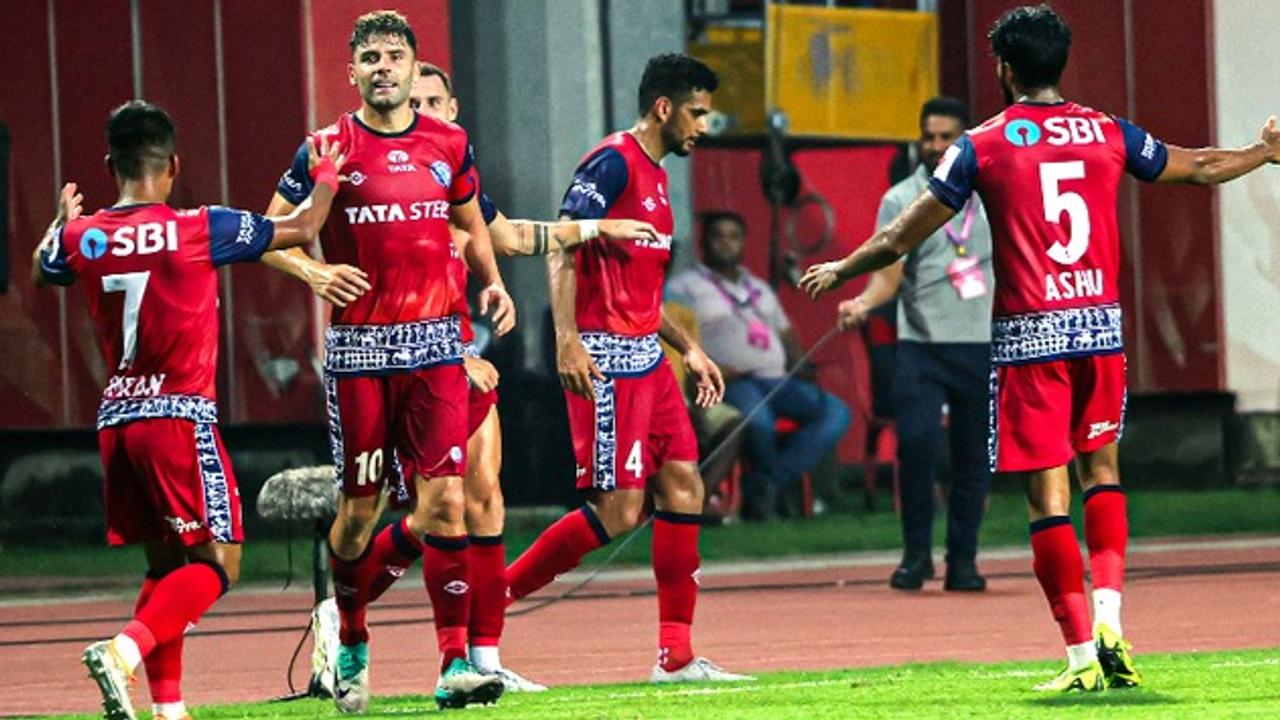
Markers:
point(745, 331)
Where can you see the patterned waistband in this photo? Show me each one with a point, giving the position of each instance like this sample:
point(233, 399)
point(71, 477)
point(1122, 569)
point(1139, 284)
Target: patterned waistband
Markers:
point(1056, 335)
point(621, 354)
point(183, 407)
point(362, 349)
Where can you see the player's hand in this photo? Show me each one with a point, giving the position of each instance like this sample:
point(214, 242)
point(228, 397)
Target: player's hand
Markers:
point(482, 374)
point(337, 284)
point(706, 377)
point(69, 204)
point(852, 313)
point(627, 230)
point(495, 297)
point(318, 150)
point(1271, 137)
point(576, 368)
point(822, 278)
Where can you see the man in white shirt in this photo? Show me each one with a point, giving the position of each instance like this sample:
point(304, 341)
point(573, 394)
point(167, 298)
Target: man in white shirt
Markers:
point(745, 331)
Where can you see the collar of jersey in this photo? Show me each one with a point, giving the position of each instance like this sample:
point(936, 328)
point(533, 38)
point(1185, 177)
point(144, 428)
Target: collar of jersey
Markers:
point(1034, 103)
point(643, 152)
point(130, 206)
point(356, 117)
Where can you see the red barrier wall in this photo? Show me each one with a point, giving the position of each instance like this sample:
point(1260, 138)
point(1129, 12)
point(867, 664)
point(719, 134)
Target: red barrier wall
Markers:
point(254, 96)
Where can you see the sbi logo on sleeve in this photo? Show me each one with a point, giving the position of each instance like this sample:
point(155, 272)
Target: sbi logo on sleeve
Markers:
point(1022, 133)
point(93, 244)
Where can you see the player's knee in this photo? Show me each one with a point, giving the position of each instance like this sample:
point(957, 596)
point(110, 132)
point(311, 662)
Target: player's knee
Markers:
point(619, 514)
point(355, 516)
point(444, 505)
point(485, 510)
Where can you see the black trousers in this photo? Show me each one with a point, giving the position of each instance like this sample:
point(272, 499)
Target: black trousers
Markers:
point(928, 375)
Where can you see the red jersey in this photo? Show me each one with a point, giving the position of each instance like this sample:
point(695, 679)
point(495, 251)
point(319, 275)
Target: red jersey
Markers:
point(150, 275)
point(1049, 175)
point(390, 217)
point(619, 283)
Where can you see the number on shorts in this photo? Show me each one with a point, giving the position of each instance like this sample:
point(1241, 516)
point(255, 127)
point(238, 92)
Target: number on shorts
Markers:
point(369, 466)
point(635, 463)
point(134, 286)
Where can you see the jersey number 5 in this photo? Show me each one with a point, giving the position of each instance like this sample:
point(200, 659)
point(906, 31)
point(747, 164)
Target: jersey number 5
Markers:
point(1057, 202)
point(134, 286)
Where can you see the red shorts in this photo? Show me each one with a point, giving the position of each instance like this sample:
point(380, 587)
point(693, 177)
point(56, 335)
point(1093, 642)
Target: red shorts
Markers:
point(478, 409)
point(1043, 413)
point(635, 425)
point(418, 417)
point(168, 479)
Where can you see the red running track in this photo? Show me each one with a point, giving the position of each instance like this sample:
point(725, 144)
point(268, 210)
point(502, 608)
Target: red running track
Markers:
point(832, 613)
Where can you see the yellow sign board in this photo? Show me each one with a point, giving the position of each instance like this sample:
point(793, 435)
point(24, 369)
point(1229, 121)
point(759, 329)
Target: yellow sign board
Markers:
point(849, 73)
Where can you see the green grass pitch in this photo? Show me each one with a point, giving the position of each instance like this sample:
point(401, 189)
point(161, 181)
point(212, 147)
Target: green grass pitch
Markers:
point(1239, 684)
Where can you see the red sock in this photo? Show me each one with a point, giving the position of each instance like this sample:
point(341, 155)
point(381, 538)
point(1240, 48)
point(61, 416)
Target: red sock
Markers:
point(1058, 566)
point(557, 550)
point(394, 550)
point(178, 599)
point(164, 663)
point(488, 564)
point(675, 567)
point(351, 594)
point(444, 572)
point(1106, 532)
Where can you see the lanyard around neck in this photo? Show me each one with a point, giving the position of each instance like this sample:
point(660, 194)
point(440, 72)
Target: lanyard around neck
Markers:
point(961, 240)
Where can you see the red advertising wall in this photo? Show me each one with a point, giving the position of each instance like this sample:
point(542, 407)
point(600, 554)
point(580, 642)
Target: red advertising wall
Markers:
point(237, 76)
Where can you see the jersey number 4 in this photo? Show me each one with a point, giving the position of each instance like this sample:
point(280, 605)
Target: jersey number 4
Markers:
point(1057, 202)
point(134, 286)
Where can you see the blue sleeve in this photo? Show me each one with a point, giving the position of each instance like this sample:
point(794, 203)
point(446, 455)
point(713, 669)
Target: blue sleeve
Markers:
point(54, 265)
point(238, 236)
point(1144, 155)
point(957, 172)
point(596, 185)
point(295, 185)
point(488, 209)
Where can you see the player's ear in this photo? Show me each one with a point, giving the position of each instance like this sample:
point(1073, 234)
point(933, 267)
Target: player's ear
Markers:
point(111, 168)
point(351, 74)
point(173, 165)
point(662, 108)
point(453, 109)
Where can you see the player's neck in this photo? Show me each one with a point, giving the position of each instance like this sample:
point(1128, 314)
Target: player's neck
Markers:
point(1043, 96)
point(397, 119)
point(649, 135)
point(142, 192)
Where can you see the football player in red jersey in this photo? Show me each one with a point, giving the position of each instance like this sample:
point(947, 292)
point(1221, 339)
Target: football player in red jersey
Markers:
point(150, 274)
point(1048, 171)
point(627, 416)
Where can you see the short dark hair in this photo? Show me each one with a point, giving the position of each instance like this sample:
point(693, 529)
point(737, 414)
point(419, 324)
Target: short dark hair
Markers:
point(140, 139)
point(1034, 41)
point(946, 107)
point(426, 69)
point(674, 76)
point(711, 217)
point(382, 22)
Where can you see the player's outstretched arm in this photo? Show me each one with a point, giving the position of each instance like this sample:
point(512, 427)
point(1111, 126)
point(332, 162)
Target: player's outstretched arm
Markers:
point(1210, 166)
point(69, 208)
point(880, 289)
point(921, 219)
point(532, 237)
point(478, 253)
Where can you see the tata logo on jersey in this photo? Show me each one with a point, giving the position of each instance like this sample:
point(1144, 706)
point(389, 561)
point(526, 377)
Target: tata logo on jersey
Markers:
point(143, 239)
point(398, 162)
point(1060, 131)
point(395, 212)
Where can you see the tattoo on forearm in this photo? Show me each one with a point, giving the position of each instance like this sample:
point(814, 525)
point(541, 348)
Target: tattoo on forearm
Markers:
point(561, 241)
point(539, 239)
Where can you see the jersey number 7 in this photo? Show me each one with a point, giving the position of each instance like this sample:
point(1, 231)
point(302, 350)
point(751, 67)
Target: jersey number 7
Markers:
point(134, 286)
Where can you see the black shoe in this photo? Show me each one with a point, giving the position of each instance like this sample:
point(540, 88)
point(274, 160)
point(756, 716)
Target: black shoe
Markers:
point(912, 572)
point(964, 577)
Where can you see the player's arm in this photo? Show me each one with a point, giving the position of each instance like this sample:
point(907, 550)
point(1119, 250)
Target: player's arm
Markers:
point(48, 261)
point(336, 284)
point(889, 244)
point(1151, 160)
point(533, 237)
point(478, 253)
point(573, 363)
point(302, 224)
point(881, 288)
point(706, 375)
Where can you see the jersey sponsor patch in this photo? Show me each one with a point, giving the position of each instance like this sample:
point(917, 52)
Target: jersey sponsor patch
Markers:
point(441, 172)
